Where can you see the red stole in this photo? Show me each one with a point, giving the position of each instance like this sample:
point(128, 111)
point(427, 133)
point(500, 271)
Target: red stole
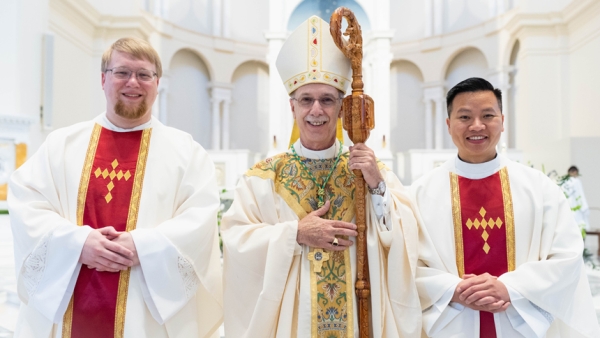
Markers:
point(109, 195)
point(484, 230)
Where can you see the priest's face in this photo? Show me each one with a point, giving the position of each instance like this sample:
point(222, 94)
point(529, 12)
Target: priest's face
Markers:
point(475, 124)
point(128, 100)
point(316, 108)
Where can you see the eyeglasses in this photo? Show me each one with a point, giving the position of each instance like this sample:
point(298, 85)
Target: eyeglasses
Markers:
point(123, 73)
point(325, 102)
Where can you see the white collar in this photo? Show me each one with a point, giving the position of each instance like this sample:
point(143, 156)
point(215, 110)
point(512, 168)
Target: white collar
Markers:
point(104, 122)
point(479, 170)
point(330, 152)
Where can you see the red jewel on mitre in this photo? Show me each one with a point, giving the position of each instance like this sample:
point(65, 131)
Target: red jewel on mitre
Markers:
point(315, 41)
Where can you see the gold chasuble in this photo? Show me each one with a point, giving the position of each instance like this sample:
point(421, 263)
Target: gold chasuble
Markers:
point(330, 274)
point(484, 231)
point(109, 195)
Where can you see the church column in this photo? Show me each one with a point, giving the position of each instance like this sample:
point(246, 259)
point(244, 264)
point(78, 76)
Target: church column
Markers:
point(220, 96)
point(163, 91)
point(500, 79)
point(216, 124)
point(280, 123)
point(438, 12)
point(226, 14)
point(428, 4)
point(27, 70)
point(280, 116)
point(380, 60)
point(216, 17)
point(9, 58)
point(497, 8)
point(428, 124)
point(226, 104)
point(439, 123)
point(434, 93)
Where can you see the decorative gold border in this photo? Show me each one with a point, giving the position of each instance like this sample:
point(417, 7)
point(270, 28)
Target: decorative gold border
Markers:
point(349, 294)
point(68, 320)
point(509, 218)
point(81, 196)
point(132, 217)
point(457, 219)
point(313, 299)
point(86, 172)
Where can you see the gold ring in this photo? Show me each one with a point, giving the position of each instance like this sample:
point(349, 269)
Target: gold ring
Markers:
point(335, 242)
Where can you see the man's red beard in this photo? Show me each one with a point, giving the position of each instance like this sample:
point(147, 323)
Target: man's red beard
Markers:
point(131, 113)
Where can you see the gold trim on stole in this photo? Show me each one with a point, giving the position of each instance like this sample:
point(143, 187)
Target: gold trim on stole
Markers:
point(81, 194)
point(132, 217)
point(509, 218)
point(457, 219)
point(86, 172)
point(349, 296)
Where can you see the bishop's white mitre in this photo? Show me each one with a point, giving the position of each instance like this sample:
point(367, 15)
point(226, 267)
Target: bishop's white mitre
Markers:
point(310, 55)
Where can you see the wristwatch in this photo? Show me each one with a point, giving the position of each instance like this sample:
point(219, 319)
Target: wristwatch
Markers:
point(380, 190)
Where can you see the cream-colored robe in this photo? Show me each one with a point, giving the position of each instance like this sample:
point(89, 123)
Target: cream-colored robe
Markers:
point(176, 291)
point(266, 279)
point(549, 290)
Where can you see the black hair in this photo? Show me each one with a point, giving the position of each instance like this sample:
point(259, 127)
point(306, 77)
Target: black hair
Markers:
point(473, 84)
point(572, 168)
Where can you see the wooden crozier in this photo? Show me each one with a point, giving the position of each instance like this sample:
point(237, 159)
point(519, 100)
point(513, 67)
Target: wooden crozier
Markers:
point(359, 120)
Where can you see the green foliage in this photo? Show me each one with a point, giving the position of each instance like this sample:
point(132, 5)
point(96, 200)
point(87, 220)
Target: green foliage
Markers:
point(225, 204)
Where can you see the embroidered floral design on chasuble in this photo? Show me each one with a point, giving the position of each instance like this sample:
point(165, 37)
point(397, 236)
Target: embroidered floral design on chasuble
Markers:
point(331, 275)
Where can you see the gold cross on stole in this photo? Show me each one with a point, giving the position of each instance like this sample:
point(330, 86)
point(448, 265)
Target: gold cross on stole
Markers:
point(112, 174)
point(318, 257)
point(484, 224)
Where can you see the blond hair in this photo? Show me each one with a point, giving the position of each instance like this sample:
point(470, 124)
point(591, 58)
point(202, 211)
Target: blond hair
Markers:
point(139, 48)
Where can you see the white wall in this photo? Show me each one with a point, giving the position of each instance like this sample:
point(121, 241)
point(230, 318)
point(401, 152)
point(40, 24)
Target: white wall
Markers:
point(76, 79)
point(407, 19)
point(189, 107)
point(511, 111)
point(541, 119)
point(584, 74)
point(249, 124)
point(195, 15)
point(460, 14)
point(246, 27)
point(407, 122)
point(584, 79)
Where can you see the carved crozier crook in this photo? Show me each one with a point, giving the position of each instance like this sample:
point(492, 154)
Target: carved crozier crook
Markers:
point(359, 120)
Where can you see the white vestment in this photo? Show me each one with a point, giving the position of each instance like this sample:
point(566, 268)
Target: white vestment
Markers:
point(549, 291)
point(267, 289)
point(176, 289)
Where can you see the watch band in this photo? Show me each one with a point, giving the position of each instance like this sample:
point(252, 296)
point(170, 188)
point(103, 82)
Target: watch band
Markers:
point(379, 190)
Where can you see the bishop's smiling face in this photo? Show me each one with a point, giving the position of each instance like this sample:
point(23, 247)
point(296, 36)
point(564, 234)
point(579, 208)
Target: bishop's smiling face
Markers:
point(475, 124)
point(317, 123)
